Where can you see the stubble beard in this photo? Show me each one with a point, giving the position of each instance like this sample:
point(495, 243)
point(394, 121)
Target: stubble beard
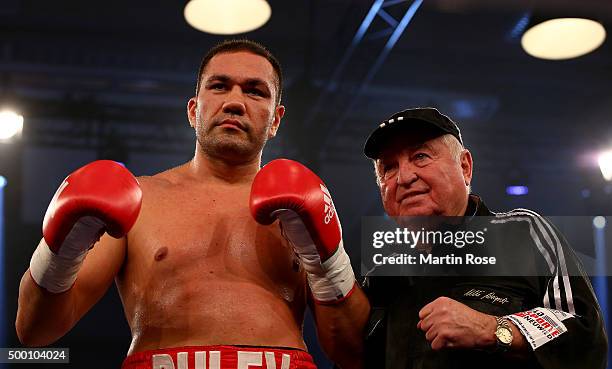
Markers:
point(230, 146)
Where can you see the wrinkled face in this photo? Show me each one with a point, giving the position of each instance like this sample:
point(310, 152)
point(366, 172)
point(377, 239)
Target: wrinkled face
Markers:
point(235, 112)
point(420, 176)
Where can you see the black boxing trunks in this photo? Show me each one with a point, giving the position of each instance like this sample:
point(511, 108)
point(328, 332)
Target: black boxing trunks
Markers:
point(220, 357)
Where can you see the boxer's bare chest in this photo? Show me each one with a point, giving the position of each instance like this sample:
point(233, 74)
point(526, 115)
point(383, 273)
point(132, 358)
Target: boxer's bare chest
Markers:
point(211, 229)
point(193, 239)
point(199, 270)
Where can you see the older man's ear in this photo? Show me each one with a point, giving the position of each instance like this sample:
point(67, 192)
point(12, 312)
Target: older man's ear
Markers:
point(466, 166)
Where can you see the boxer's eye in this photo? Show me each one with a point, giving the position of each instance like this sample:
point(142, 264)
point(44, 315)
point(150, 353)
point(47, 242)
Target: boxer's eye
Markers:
point(217, 86)
point(255, 92)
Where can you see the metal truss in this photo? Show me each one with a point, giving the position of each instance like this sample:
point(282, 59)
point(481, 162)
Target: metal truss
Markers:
point(364, 38)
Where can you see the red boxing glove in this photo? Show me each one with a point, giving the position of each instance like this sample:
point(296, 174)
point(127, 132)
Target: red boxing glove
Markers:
point(101, 196)
point(289, 191)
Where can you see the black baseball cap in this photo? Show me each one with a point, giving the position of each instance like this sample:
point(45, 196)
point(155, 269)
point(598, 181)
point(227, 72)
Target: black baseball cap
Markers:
point(428, 117)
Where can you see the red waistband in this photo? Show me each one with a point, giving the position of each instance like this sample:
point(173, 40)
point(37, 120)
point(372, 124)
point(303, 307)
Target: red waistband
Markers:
point(220, 357)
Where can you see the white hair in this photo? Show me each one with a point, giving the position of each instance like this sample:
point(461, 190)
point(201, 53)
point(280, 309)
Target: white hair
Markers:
point(455, 147)
point(453, 144)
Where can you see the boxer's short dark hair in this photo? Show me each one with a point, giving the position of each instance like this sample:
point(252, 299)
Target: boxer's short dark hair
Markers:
point(235, 45)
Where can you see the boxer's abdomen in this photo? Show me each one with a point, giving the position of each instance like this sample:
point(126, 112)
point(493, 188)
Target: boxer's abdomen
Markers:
point(214, 312)
point(200, 271)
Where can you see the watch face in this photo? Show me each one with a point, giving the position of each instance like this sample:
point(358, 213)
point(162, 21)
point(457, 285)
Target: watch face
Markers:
point(504, 335)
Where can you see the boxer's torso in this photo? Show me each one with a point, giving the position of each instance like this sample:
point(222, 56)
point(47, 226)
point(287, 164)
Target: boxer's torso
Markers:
point(200, 271)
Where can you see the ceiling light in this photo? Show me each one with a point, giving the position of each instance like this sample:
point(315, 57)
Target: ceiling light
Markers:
point(605, 164)
point(11, 124)
point(227, 17)
point(599, 222)
point(563, 38)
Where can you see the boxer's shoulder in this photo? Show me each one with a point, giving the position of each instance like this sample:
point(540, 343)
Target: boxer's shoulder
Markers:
point(165, 180)
point(153, 183)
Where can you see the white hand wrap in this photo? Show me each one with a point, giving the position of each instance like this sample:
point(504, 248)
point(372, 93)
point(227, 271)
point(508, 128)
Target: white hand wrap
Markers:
point(329, 281)
point(53, 272)
point(57, 272)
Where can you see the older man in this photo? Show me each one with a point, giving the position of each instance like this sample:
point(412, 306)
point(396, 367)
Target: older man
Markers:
point(423, 169)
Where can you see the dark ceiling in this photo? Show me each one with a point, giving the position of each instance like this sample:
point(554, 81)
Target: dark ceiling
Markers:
point(112, 63)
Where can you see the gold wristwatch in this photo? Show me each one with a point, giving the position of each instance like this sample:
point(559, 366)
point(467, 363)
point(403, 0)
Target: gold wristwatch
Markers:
point(503, 334)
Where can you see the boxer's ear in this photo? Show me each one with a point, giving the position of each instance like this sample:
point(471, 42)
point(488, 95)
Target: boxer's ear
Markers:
point(279, 112)
point(192, 106)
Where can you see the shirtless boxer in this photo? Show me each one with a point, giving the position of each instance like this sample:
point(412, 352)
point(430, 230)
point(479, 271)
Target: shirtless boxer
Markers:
point(196, 273)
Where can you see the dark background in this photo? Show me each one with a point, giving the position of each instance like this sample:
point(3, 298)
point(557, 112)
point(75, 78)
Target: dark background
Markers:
point(111, 80)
